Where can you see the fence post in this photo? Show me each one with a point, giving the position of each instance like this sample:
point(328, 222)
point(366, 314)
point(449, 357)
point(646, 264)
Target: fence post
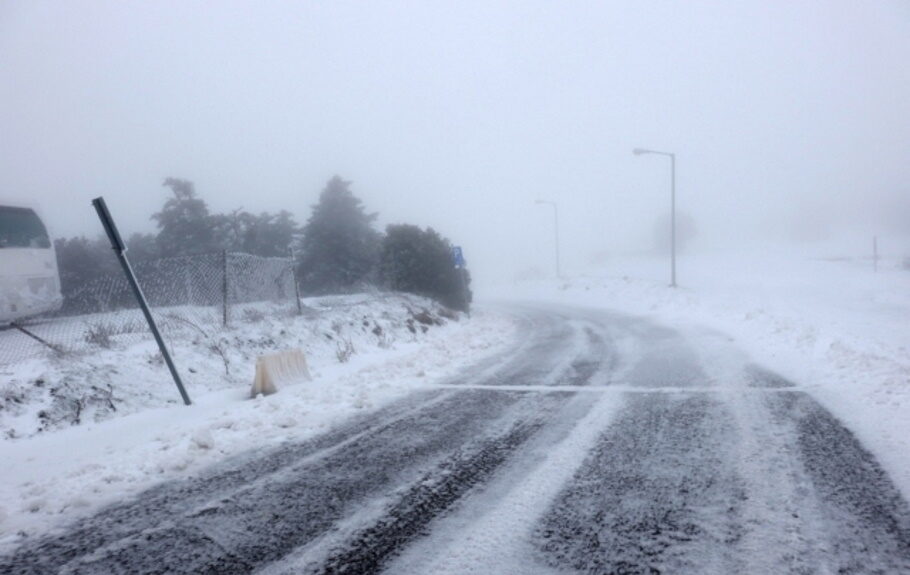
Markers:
point(296, 285)
point(224, 288)
point(120, 249)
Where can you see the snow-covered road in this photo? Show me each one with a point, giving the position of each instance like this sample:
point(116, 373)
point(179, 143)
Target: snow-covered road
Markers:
point(600, 443)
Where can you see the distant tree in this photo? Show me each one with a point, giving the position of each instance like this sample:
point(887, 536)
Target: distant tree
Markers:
point(270, 235)
point(229, 229)
point(420, 261)
point(184, 223)
point(267, 235)
point(339, 247)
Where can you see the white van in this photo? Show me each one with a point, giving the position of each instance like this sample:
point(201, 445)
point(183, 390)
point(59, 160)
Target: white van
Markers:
point(29, 281)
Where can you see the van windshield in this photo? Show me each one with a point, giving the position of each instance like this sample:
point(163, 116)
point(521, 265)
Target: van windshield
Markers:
point(22, 228)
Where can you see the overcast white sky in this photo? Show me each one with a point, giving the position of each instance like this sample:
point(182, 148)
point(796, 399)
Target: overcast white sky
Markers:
point(783, 115)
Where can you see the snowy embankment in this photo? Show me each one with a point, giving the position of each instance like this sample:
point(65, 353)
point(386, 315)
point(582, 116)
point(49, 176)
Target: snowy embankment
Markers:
point(85, 430)
point(833, 325)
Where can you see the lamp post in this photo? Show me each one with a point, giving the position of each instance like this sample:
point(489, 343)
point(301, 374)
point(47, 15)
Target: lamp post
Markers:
point(555, 231)
point(640, 151)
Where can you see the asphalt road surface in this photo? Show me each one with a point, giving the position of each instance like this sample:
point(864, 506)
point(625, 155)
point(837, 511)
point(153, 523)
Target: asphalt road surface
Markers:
point(599, 443)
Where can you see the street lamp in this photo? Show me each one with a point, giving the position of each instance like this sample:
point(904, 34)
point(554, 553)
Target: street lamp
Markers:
point(640, 151)
point(555, 231)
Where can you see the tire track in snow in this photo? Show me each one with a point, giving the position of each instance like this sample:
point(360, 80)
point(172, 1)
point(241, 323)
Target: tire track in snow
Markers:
point(734, 479)
point(657, 494)
point(865, 521)
point(436, 492)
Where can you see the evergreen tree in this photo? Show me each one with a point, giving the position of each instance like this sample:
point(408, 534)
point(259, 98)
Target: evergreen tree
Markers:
point(269, 235)
point(230, 229)
point(184, 224)
point(339, 247)
point(420, 261)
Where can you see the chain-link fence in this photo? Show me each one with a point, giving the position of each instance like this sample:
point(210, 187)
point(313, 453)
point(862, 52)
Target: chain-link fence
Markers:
point(200, 293)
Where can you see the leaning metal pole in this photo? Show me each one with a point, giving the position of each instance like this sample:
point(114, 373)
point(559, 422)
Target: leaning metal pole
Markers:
point(120, 249)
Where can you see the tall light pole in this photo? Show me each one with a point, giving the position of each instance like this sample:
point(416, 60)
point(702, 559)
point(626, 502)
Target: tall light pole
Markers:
point(555, 231)
point(640, 151)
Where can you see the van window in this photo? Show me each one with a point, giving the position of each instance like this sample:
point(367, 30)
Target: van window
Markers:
point(22, 228)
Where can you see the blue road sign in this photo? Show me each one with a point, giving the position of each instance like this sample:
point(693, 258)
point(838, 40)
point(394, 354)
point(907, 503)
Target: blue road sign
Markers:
point(457, 256)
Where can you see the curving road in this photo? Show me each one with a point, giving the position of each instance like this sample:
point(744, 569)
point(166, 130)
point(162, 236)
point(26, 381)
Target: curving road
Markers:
point(599, 443)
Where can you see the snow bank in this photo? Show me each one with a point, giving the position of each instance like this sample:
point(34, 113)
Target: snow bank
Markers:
point(124, 375)
point(832, 324)
point(363, 351)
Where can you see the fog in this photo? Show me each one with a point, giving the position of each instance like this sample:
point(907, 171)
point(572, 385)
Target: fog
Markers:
point(789, 120)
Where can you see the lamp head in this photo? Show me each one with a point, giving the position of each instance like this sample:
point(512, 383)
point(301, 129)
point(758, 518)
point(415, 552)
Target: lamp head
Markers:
point(639, 151)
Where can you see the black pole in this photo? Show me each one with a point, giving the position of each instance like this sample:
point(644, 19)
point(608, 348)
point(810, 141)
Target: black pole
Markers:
point(120, 249)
